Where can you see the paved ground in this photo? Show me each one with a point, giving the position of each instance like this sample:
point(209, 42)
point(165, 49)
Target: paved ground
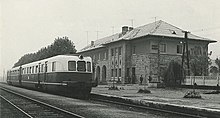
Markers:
point(164, 95)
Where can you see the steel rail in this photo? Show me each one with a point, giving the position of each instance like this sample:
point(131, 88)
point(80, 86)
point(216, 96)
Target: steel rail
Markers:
point(16, 107)
point(43, 103)
point(145, 107)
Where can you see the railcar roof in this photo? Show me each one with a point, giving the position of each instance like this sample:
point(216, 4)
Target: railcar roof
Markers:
point(56, 58)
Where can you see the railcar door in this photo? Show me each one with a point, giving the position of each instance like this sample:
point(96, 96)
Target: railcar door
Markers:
point(19, 75)
point(38, 76)
point(45, 72)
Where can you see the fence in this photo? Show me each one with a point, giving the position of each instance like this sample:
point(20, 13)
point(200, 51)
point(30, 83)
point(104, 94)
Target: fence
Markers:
point(202, 80)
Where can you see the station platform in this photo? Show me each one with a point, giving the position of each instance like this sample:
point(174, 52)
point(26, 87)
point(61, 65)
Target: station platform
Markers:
point(163, 97)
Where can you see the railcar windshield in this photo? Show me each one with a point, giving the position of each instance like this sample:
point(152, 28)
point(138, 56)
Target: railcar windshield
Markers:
point(72, 65)
point(81, 66)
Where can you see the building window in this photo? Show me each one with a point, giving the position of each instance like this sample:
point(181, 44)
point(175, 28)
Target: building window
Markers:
point(93, 57)
point(162, 47)
point(133, 49)
point(116, 51)
point(112, 72)
point(154, 47)
point(105, 55)
point(72, 65)
point(116, 72)
point(53, 66)
point(119, 73)
point(112, 52)
point(179, 49)
point(119, 51)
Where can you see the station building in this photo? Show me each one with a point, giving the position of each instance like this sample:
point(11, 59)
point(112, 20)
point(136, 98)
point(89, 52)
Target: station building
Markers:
point(143, 51)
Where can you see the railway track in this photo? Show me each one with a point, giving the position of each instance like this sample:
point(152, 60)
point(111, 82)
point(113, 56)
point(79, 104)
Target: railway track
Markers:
point(33, 108)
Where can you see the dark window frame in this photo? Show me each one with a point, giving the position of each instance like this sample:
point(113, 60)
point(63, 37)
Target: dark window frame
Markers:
point(53, 66)
point(89, 68)
point(83, 69)
point(73, 67)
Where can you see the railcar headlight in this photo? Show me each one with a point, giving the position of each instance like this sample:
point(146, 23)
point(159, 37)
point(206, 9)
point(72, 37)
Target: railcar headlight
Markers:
point(80, 57)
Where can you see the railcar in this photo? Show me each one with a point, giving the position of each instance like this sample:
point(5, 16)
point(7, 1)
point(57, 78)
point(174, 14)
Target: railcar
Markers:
point(60, 74)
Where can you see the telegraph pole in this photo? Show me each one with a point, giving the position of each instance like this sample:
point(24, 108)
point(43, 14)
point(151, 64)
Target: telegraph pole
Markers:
point(113, 30)
point(97, 34)
point(132, 22)
point(187, 51)
point(87, 36)
point(158, 61)
point(3, 75)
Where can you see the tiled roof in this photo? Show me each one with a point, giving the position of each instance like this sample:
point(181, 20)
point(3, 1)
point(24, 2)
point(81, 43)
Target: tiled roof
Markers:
point(158, 28)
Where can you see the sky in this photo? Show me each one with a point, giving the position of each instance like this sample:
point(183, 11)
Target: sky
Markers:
point(29, 25)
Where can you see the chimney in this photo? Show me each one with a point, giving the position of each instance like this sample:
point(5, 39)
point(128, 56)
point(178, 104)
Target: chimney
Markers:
point(92, 43)
point(130, 28)
point(124, 30)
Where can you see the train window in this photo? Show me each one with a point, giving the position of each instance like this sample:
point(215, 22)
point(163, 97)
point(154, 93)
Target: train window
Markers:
point(30, 70)
point(89, 66)
point(53, 66)
point(36, 69)
point(42, 67)
point(81, 66)
point(72, 65)
point(45, 67)
point(33, 69)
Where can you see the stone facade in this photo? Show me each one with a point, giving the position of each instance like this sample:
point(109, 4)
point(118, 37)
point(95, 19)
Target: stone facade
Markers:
point(125, 61)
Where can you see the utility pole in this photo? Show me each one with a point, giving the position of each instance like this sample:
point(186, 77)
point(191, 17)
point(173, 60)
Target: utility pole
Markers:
point(97, 34)
point(87, 37)
point(155, 19)
point(187, 51)
point(132, 22)
point(3, 75)
point(183, 56)
point(158, 62)
point(113, 30)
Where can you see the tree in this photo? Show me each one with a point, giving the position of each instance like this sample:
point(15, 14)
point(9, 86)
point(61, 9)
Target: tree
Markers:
point(59, 46)
point(173, 76)
point(62, 46)
point(199, 60)
point(217, 61)
point(199, 64)
point(214, 70)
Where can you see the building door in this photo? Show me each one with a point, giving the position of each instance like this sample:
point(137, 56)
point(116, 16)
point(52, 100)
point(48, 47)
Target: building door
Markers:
point(98, 74)
point(128, 77)
point(104, 73)
point(133, 76)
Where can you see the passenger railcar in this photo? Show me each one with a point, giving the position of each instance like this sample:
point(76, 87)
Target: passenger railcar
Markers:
point(63, 73)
